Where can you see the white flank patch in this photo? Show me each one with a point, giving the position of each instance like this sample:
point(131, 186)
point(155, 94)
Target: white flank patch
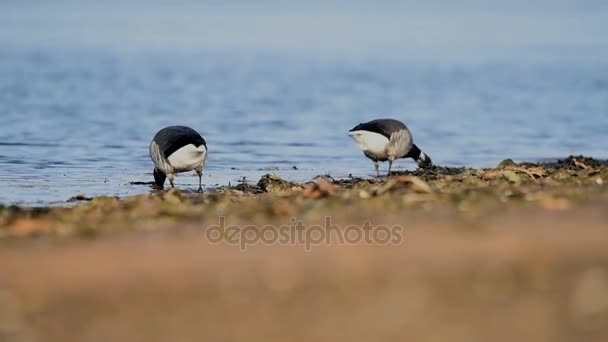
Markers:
point(369, 141)
point(188, 158)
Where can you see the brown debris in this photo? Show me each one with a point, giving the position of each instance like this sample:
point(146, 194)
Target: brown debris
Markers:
point(272, 183)
point(411, 182)
point(416, 184)
point(533, 172)
point(80, 197)
point(490, 174)
point(319, 188)
point(581, 165)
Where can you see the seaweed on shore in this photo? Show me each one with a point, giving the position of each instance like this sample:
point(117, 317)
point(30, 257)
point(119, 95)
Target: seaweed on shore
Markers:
point(572, 163)
point(554, 185)
point(433, 172)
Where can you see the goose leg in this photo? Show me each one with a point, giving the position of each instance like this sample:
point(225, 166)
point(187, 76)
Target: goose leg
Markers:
point(171, 177)
point(390, 164)
point(376, 167)
point(199, 172)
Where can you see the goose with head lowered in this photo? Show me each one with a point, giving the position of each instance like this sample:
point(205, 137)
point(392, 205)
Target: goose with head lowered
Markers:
point(387, 140)
point(177, 149)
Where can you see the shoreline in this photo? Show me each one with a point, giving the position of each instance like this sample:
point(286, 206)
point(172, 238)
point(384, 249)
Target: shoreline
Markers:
point(461, 192)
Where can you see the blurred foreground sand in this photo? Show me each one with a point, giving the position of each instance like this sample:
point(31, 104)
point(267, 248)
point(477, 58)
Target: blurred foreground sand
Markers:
point(534, 276)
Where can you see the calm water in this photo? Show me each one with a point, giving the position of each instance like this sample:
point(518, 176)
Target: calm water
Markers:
point(83, 92)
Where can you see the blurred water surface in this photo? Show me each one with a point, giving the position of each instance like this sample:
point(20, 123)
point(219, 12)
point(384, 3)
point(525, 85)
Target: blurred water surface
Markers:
point(84, 87)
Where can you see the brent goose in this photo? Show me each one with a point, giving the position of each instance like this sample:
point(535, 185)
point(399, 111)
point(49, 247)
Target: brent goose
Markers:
point(176, 149)
point(387, 139)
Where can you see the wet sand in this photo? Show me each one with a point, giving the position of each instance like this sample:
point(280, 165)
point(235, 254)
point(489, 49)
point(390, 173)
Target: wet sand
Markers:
point(516, 252)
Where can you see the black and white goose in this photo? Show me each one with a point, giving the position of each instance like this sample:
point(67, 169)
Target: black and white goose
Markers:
point(387, 139)
point(177, 149)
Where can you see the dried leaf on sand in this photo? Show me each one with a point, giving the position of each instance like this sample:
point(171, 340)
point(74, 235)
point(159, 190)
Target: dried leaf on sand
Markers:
point(533, 172)
point(413, 182)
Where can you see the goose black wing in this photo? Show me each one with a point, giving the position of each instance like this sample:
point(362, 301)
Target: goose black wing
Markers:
point(386, 127)
point(171, 139)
